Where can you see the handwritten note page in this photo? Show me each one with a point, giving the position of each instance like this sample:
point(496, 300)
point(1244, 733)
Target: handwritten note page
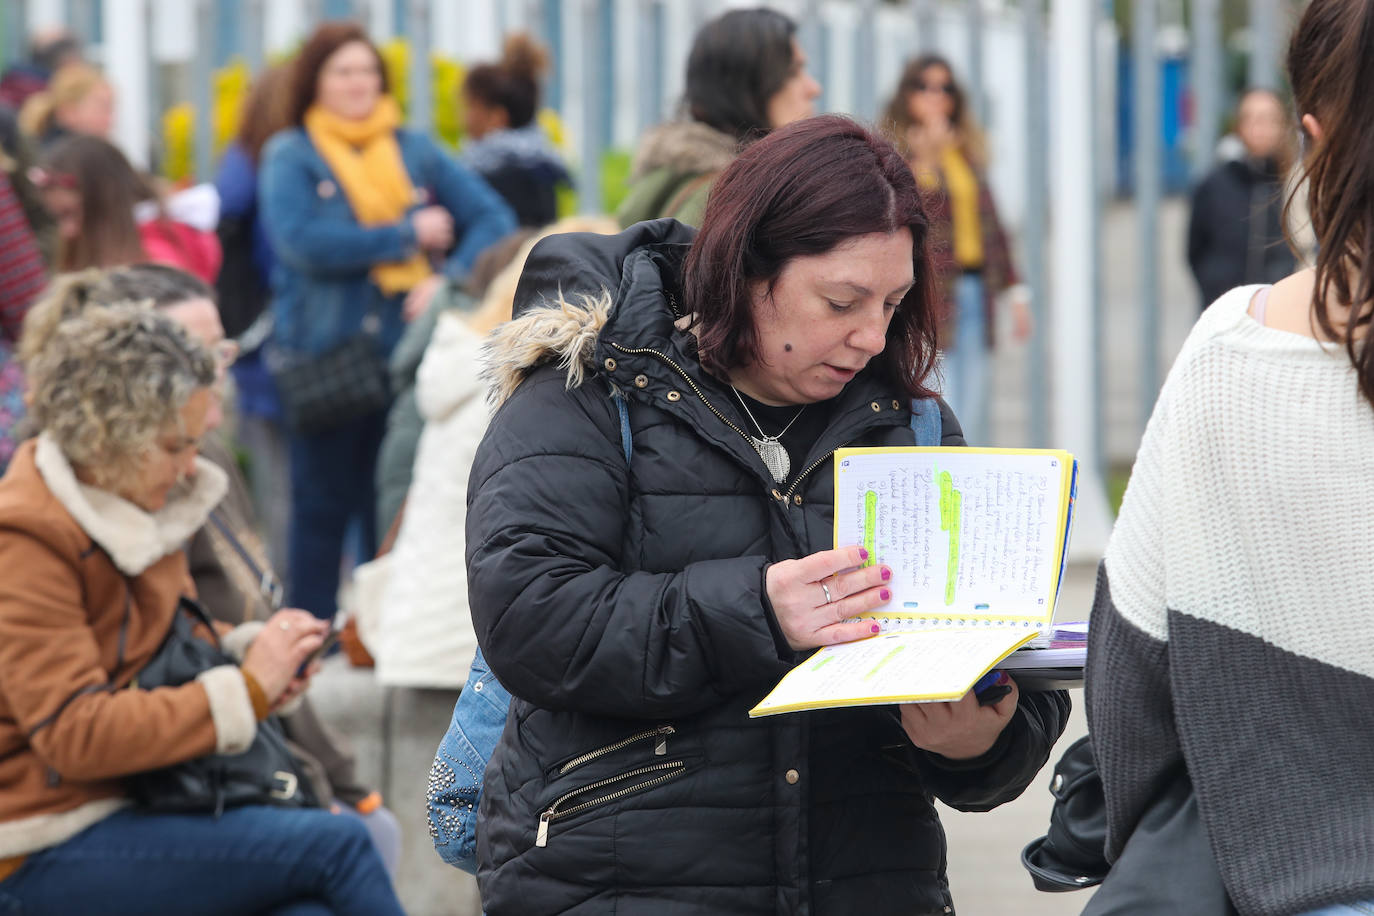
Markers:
point(968, 534)
point(928, 666)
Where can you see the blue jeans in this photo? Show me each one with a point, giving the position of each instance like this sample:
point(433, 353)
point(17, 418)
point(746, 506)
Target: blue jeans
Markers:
point(332, 485)
point(250, 860)
point(966, 362)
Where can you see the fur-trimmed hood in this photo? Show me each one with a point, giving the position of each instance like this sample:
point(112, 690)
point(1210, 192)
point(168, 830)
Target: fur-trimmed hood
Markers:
point(684, 147)
point(573, 288)
point(134, 539)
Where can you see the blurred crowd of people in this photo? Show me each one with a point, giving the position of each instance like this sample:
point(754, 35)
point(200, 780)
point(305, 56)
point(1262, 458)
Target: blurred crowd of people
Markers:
point(348, 224)
point(278, 371)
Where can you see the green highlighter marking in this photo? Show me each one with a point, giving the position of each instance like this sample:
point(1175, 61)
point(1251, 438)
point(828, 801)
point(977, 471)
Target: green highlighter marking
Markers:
point(871, 526)
point(822, 663)
point(951, 520)
point(886, 658)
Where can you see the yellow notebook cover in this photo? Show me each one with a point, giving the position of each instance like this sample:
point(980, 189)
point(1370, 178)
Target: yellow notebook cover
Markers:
point(976, 540)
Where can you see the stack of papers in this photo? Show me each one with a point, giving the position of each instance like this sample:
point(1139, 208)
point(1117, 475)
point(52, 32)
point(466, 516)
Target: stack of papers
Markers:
point(1053, 660)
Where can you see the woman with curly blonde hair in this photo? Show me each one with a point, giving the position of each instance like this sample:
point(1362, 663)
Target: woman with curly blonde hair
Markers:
point(94, 514)
point(79, 100)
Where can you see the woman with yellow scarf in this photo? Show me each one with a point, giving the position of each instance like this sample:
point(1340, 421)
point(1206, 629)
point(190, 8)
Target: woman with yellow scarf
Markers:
point(367, 220)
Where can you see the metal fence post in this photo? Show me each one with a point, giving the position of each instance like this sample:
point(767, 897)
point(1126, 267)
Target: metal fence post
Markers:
point(1264, 44)
point(604, 66)
point(127, 67)
point(865, 65)
point(1037, 216)
point(923, 11)
point(14, 14)
point(1072, 319)
point(419, 89)
point(551, 22)
point(1207, 82)
point(201, 74)
point(651, 53)
point(595, 112)
point(1146, 128)
point(251, 35)
point(973, 18)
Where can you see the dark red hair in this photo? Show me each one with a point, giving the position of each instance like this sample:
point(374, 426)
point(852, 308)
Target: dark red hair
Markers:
point(318, 48)
point(802, 190)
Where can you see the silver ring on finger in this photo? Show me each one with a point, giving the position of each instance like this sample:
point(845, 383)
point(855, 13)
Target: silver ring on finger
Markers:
point(825, 588)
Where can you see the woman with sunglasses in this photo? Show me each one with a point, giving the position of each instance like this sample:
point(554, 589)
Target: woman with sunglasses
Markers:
point(929, 119)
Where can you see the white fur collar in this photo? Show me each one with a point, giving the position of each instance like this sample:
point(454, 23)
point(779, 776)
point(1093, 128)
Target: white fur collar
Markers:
point(134, 539)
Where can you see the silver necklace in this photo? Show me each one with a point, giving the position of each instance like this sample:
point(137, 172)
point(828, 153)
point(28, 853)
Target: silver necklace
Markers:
point(774, 456)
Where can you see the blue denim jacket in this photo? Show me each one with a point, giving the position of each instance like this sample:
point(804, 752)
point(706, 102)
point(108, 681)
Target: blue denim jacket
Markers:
point(320, 285)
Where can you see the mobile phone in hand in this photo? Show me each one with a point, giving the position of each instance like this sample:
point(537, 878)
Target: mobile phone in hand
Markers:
point(330, 639)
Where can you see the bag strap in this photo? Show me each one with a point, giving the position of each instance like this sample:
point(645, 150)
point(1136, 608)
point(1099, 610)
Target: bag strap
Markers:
point(269, 584)
point(926, 422)
point(622, 408)
point(685, 192)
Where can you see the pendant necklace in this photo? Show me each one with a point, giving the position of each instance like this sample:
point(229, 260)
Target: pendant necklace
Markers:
point(774, 456)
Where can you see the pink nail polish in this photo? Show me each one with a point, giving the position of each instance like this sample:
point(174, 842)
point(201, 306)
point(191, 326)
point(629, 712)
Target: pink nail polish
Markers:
point(863, 553)
point(887, 574)
point(875, 628)
point(885, 595)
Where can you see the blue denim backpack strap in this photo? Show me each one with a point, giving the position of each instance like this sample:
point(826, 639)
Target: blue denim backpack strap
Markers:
point(925, 421)
point(479, 717)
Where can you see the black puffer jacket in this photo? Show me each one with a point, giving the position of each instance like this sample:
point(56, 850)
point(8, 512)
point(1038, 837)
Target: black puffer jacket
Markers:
point(1235, 230)
point(625, 609)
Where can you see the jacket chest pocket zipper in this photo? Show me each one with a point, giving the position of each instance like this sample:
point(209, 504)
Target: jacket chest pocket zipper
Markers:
point(660, 733)
point(651, 776)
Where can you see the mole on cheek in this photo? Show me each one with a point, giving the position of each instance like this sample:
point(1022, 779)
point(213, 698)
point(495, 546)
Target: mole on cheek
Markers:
point(787, 347)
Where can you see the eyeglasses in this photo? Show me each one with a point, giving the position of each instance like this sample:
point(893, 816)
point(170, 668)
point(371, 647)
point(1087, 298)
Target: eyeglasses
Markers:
point(226, 352)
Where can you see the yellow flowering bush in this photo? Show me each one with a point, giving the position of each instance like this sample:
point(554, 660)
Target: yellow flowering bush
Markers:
point(229, 91)
point(179, 142)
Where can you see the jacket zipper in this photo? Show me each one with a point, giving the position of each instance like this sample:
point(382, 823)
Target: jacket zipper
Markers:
point(667, 771)
point(660, 747)
point(802, 476)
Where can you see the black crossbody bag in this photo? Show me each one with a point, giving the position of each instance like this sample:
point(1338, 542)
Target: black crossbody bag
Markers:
point(265, 774)
point(348, 381)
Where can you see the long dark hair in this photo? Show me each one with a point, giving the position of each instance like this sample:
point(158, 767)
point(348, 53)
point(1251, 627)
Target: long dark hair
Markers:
point(318, 48)
point(803, 190)
point(264, 112)
point(1331, 68)
point(738, 61)
point(897, 115)
point(109, 188)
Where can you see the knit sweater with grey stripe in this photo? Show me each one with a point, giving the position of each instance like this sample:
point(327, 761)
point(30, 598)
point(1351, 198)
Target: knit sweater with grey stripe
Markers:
point(1233, 628)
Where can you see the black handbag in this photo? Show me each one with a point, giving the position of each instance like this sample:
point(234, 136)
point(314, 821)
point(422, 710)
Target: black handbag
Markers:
point(345, 382)
point(265, 774)
point(1072, 855)
point(1166, 868)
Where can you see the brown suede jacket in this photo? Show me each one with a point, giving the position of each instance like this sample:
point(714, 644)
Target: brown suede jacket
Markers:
point(82, 571)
